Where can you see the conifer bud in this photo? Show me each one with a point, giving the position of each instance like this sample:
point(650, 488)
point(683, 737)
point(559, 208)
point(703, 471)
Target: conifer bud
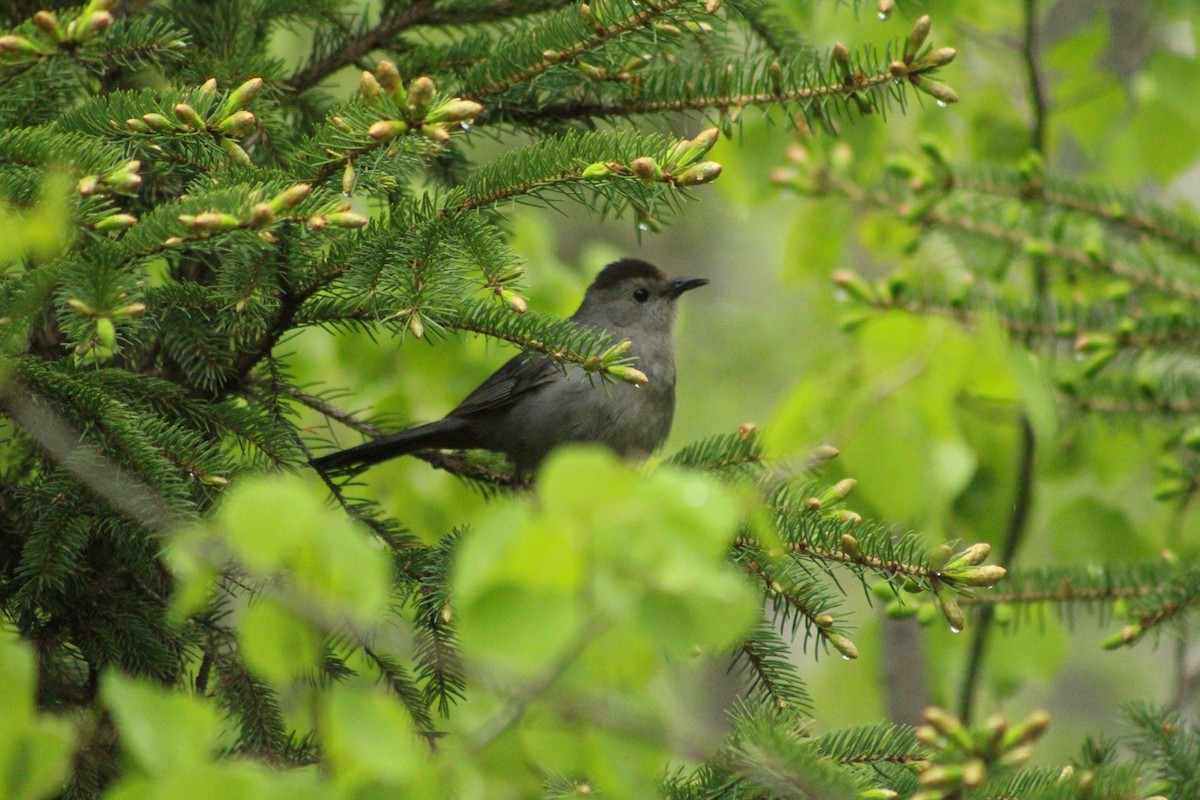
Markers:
point(13, 44)
point(126, 183)
point(951, 610)
point(420, 93)
point(647, 169)
point(848, 544)
point(941, 57)
point(92, 24)
point(387, 129)
point(916, 37)
point(137, 126)
point(705, 139)
point(215, 222)
point(340, 124)
point(599, 169)
point(712, 6)
point(974, 555)
point(937, 90)
point(235, 152)
point(261, 215)
point(589, 17)
point(389, 77)
point(87, 185)
point(455, 111)
point(839, 491)
point(114, 222)
point(704, 172)
point(47, 23)
point(416, 327)
point(618, 350)
point(592, 73)
point(986, 576)
point(898, 69)
point(129, 311)
point(513, 300)
point(158, 122)
point(188, 116)
point(629, 375)
point(436, 133)
point(290, 197)
point(238, 124)
point(369, 88)
point(843, 645)
point(349, 179)
point(841, 57)
point(346, 219)
point(242, 96)
point(81, 306)
point(209, 86)
point(106, 332)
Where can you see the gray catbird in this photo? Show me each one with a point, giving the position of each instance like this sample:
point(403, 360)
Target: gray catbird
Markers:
point(528, 407)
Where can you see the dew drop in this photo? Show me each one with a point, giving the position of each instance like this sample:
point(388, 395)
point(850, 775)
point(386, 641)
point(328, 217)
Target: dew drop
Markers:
point(641, 226)
point(882, 16)
point(847, 658)
point(466, 126)
point(955, 629)
point(840, 296)
point(941, 103)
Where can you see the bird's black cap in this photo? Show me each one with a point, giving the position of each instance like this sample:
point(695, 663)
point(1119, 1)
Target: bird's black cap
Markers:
point(625, 269)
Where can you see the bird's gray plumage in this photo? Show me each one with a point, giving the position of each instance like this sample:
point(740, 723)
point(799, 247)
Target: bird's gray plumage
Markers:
point(528, 407)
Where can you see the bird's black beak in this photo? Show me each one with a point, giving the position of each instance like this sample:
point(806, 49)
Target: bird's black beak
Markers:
point(681, 285)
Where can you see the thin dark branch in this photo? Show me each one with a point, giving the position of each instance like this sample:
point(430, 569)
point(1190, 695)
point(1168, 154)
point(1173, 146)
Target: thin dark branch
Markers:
point(1037, 90)
point(512, 711)
point(421, 12)
point(456, 463)
point(1018, 524)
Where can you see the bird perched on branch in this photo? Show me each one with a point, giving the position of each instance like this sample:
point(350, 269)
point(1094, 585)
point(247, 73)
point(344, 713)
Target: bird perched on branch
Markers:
point(530, 406)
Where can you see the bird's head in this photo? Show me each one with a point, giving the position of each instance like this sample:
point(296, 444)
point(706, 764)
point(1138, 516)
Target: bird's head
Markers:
point(636, 295)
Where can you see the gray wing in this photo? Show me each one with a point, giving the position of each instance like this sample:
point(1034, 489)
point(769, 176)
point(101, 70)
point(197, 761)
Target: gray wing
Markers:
point(518, 377)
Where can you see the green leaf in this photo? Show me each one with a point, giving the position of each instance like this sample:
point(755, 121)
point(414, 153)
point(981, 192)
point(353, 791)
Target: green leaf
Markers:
point(321, 552)
point(277, 643)
point(603, 545)
point(35, 751)
point(369, 741)
point(161, 729)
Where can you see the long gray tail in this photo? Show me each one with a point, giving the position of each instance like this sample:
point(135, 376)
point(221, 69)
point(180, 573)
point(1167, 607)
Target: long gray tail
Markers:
point(449, 432)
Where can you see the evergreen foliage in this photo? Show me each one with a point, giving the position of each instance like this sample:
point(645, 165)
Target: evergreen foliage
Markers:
point(187, 201)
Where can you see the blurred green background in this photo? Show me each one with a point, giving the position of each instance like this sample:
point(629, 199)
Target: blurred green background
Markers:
point(1121, 83)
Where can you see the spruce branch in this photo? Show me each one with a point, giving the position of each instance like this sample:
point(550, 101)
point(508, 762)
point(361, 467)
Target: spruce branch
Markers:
point(807, 85)
point(590, 34)
point(386, 33)
point(872, 745)
point(795, 596)
point(1078, 327)
point(927, 213)
point(764, 660)
point(479, 471)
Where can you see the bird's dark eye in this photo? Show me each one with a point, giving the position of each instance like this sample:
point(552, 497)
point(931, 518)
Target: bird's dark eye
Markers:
point(641, 295)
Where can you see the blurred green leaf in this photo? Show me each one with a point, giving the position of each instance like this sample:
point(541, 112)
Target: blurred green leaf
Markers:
point(161, 729)
point(277, 643)
point(35, 750)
